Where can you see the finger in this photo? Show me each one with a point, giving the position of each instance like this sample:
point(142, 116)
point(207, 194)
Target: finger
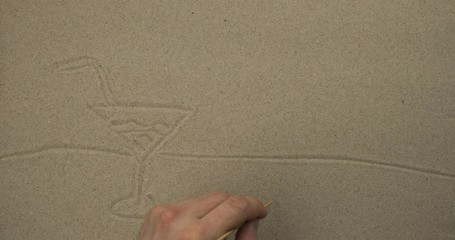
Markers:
point(149, 224)
point(248, 231)
point(199, 207)
point(232, 213)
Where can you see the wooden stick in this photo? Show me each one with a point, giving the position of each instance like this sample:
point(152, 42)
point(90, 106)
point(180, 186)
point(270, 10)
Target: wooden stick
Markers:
point(226, 235)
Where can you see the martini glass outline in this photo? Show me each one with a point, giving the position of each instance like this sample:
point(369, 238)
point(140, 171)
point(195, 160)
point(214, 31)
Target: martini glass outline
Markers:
point(132, 205)
point(135, 204)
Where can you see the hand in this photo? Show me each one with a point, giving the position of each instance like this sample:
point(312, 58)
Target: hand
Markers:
point(204, 218)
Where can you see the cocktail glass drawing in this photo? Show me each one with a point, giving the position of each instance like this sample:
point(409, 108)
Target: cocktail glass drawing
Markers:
point(144, 128)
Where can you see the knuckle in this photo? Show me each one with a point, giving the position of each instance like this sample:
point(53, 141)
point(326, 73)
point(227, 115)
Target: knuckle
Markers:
point(237, 202)
point(154, 212)
point(168, 215)
point(162, 215)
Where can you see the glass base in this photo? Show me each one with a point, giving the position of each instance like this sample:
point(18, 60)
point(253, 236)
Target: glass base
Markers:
point(135, 207)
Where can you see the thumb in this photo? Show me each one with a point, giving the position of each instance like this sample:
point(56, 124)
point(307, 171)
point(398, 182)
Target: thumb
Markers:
point(248, 231)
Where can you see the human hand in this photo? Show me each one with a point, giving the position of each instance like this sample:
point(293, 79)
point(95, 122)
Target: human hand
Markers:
point(204, 218)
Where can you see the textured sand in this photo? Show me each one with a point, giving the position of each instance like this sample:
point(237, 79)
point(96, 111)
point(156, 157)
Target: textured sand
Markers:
point(342, 112)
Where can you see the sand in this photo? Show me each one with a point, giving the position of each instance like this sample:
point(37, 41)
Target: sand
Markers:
point(341, 112)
